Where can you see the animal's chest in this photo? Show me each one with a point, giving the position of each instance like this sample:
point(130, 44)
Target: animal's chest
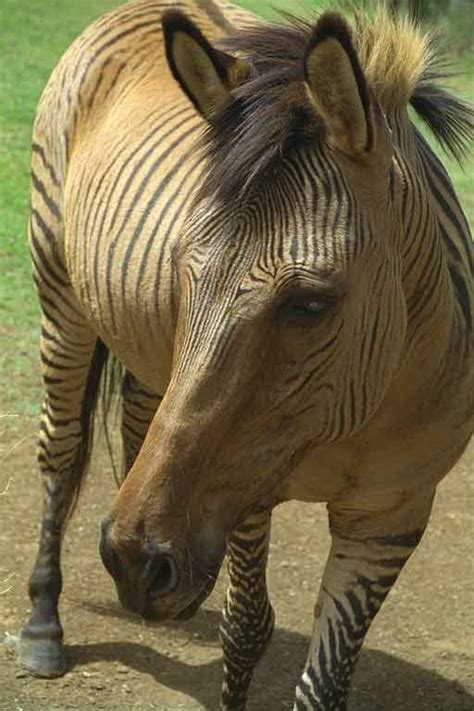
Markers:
point(391, 457)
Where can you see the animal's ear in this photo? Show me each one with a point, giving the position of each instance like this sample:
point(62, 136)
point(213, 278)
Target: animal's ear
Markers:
point(337, 86)
point(205, 74)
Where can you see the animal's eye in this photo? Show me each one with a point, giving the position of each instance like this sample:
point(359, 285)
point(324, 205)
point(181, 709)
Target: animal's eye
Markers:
point(306, 308)
point(309, 307)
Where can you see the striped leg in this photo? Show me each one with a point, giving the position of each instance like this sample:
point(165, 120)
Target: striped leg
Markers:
point(71, 359)
point(366, 557)
point(248, 618)
point(139, 407)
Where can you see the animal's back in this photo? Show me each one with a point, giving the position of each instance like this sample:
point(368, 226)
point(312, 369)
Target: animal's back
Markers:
point(114, 54)
point(116, 154)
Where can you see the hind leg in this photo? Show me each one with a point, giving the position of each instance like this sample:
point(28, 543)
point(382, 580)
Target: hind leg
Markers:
point(139, 407)
point(71, 360)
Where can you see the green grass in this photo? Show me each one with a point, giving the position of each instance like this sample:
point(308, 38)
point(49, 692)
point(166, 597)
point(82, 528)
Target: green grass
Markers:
point(463, 177)
point(33, 37)
point(269, 10)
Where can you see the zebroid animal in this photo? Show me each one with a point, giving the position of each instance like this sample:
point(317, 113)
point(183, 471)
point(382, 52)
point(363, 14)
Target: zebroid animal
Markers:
point(247, 218)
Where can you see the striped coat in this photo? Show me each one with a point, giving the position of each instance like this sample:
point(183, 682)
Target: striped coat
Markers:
point(247, 219)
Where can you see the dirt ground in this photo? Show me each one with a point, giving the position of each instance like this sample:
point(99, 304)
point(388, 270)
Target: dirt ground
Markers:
point(418, 656)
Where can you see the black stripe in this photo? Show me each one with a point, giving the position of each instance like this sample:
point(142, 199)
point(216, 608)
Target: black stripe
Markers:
point(214, 12)
point(43, 267)
point(111, 42)
point(39, 150)
point(462, 294)
point(48, 200)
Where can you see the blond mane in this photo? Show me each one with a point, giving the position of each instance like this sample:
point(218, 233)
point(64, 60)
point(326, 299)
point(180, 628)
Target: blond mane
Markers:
point(395, 53)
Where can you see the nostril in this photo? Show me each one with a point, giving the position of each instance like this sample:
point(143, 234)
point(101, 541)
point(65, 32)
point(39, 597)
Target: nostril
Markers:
point(162, 575)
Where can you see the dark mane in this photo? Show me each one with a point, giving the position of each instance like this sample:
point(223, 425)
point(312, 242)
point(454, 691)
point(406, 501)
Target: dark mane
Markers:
point(450, 119)
point(270, 116)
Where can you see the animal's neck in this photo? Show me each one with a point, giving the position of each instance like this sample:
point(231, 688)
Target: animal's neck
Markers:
point(427, 284)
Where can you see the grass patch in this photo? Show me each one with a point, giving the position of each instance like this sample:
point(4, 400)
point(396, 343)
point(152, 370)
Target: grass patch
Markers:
point(270, 10)
point(33, 38)
point(463, 176)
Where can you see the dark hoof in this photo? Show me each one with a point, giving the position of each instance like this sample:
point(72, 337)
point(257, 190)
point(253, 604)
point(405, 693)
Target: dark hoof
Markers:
point(228, 704)
point(42, 656)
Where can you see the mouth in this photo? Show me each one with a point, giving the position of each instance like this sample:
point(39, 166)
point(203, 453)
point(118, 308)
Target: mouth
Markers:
point(190, 609)
point(178, 612)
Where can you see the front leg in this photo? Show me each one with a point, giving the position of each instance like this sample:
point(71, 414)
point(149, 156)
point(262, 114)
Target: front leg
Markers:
point(367, 554)
point(72, 360)
point(248, 619)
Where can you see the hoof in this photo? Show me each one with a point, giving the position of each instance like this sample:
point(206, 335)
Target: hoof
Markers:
point(42, 656)
point(238, 705)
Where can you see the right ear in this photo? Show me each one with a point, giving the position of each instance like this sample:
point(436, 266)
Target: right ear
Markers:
point(205, 74)
point(337, 86)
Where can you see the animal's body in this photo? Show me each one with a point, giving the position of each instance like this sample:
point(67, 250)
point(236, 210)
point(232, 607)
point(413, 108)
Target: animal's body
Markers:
point(307, 329)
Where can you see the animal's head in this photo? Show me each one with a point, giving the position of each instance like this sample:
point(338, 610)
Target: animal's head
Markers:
point(291, 310)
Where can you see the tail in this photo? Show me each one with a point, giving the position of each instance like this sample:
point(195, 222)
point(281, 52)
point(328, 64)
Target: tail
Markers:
point(101, 379)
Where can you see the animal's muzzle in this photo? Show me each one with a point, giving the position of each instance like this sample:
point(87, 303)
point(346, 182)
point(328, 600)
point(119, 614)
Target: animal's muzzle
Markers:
point(149, 574)
point(149, 580)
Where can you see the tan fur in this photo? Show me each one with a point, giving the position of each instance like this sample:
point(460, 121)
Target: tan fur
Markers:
point(333, 90)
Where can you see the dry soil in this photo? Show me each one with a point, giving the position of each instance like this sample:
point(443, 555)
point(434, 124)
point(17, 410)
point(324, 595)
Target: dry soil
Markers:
point(419, 655)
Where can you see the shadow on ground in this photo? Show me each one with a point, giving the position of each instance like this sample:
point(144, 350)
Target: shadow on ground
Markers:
point(383, 682)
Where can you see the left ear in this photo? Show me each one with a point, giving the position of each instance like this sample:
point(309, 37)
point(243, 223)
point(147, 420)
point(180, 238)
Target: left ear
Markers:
point(337, 86)
point(206, 74)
